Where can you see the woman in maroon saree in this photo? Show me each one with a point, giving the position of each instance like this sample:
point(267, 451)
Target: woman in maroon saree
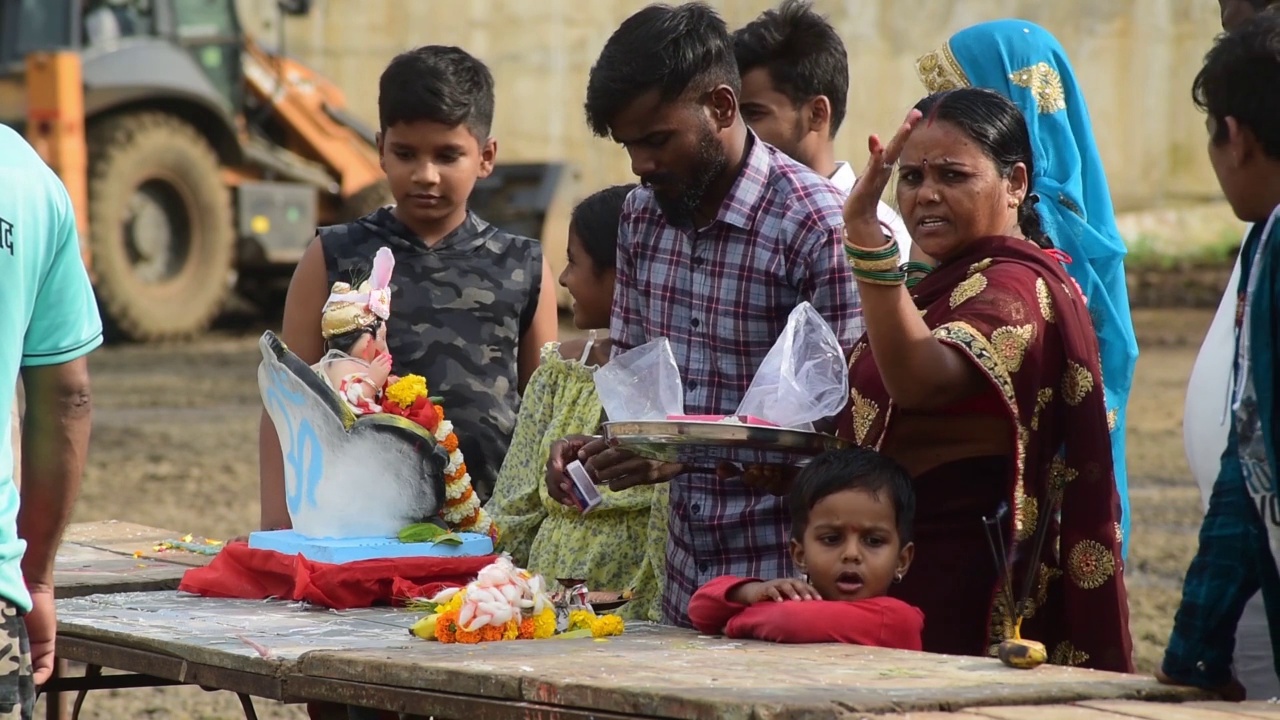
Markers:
point(983, 381)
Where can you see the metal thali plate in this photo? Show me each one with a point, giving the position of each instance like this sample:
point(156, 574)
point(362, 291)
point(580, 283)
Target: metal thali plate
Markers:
point(703, 444)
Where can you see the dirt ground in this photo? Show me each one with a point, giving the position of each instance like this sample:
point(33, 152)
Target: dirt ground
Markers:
point(175, 446)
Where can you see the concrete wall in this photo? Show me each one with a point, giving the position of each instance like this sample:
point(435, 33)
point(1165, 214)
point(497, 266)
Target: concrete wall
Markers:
point(1135, 60)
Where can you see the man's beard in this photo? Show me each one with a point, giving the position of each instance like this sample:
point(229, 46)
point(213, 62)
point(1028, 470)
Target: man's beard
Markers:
point(679, 199)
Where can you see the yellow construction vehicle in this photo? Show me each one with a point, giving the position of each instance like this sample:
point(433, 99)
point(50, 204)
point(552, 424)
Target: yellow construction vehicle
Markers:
point(199, 161)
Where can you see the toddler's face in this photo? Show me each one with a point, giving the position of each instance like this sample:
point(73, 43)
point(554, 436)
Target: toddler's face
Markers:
point(851, 549)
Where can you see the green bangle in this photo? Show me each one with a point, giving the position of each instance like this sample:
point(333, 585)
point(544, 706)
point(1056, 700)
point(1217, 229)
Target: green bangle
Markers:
point(882, 253)
point(912, 282)
point(876, 273)
point(880, 278)
point(912, 266)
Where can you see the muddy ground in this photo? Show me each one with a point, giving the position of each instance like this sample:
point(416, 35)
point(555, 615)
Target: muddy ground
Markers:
point(175, 446)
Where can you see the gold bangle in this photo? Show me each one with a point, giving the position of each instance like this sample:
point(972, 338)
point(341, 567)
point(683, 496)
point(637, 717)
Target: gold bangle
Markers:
point(888, 250)
point(886, 265)
point(885, 229)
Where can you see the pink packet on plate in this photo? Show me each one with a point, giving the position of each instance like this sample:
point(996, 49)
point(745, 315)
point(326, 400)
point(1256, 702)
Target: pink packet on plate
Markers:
point(742, 419)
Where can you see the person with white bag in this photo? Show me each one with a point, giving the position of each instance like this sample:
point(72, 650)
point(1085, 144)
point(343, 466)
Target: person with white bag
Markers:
point(1204, 432)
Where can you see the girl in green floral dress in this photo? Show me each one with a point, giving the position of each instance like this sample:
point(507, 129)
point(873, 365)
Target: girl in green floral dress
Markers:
point(619, 545)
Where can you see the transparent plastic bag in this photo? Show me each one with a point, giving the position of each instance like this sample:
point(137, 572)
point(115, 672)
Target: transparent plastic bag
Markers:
point(803, 379)
point(642, 383)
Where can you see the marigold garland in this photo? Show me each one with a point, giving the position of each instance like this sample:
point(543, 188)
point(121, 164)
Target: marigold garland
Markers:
point(507, 603)
point(407, 389)
point(408, 397)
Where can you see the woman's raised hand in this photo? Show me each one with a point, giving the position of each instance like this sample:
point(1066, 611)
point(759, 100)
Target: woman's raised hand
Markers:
point(860, 219)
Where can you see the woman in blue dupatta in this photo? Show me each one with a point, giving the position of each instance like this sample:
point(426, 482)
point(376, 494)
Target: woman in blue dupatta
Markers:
point(1025, 63)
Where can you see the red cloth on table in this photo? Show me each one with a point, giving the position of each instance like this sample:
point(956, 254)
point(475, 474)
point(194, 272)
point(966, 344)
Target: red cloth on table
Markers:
point(239, 571)
point(875, 622)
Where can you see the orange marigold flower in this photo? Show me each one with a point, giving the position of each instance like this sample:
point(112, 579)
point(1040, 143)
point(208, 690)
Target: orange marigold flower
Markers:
point(465, 496)
point(491, 633)
point(468, 637)
point(447, 626)
point(451, 442)
point(470, 520)
point(457, 475)
point(527, 626)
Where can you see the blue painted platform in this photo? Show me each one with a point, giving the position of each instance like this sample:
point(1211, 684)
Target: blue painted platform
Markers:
point(344, 550)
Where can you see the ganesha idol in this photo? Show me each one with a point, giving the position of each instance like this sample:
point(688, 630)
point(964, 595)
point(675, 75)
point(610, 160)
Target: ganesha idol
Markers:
point(366, 454)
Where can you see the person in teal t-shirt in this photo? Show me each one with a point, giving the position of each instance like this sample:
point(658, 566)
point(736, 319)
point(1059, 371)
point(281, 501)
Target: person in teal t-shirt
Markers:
point(48, 325)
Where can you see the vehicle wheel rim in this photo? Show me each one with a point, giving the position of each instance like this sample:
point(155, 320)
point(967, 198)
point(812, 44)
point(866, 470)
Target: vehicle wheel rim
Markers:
point(157, 231)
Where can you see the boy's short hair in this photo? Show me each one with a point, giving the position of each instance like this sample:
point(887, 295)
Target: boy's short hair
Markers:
point(1241, 79)
point(852, 469)
point(437, 83)
point(802, 52)
point(671, 49)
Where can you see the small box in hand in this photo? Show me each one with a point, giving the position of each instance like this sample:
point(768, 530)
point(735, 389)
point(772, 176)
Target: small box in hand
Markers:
point(584, 490)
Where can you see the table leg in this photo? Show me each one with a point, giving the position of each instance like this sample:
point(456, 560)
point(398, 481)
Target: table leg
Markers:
point(92, 671)
point(55, 704)
point(246, 702)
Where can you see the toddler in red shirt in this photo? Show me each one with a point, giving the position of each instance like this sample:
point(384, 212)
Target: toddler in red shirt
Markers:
point(851, 514)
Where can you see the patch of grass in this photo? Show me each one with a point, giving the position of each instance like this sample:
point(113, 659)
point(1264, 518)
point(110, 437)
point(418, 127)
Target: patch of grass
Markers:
point(1144, 253)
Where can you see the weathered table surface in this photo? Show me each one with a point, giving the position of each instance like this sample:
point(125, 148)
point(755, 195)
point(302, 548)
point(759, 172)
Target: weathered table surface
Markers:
point(1109, 710)
point(246, 646)
point(112, 556)
point(287, 651)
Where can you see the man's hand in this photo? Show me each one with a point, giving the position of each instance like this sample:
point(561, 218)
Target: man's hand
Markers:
point(42, 629)
point(562, 453)
point(621, 469)
point(773, 479)
point(773, 591)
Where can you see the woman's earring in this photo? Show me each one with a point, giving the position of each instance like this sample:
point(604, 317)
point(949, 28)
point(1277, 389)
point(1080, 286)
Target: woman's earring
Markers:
point(897, 577)
point(805, 577)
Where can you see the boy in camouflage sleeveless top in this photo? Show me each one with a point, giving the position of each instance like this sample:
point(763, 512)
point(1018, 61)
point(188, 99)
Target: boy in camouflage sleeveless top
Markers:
point(471, 305)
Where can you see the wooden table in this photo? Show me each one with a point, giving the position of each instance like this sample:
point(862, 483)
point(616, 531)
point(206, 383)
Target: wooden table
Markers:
point(108, 557)
point(117, 610)
point(112, 556)
point(1110, 710)
point(288, 652)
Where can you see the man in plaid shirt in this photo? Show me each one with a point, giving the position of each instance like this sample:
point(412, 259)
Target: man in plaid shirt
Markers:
point(725, 237)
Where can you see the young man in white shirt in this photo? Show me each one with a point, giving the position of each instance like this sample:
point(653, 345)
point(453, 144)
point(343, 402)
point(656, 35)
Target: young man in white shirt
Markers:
point(1204, 431)
point(795, 85)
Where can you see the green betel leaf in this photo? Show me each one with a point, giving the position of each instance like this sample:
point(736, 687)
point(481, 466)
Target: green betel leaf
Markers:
point(421, 532)
point(447, 539)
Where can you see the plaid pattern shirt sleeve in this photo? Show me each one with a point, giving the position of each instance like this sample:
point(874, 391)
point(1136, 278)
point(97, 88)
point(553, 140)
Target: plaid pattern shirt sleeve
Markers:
point(830, 287)
point(1230, 565)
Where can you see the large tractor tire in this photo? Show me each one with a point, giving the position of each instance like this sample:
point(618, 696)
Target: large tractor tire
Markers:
point(160, 226)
